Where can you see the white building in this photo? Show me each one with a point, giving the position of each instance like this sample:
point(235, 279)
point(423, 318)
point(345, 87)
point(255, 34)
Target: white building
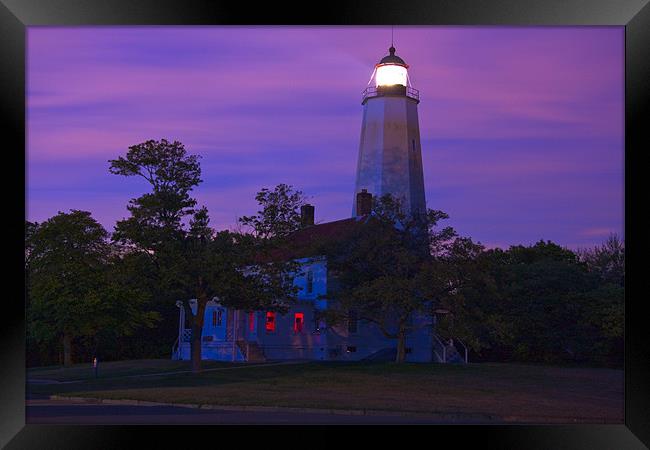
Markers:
point(389, 161)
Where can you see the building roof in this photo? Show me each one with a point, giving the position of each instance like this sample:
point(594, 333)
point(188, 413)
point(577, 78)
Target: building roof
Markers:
point(309, 241)
point(392, 58)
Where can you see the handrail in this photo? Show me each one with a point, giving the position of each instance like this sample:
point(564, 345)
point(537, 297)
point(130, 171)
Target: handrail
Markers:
point(444, 349)
point(372, 91)
point(175, 349)
point(465, 347)
point(244, 348)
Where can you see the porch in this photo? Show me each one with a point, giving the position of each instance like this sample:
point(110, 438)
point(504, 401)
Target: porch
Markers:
point(227, 335)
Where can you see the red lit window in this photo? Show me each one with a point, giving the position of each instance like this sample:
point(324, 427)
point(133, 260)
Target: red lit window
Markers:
point(270, 322)
point(251, 321)
point(214, 318)
point(298, 322)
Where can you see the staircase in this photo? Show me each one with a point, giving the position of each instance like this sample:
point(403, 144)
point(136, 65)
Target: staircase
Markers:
point(453, 357)
point(445, 351)
point(251, 350)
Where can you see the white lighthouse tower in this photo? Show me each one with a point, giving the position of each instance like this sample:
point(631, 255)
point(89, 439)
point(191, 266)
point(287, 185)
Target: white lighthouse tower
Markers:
point(390, 156)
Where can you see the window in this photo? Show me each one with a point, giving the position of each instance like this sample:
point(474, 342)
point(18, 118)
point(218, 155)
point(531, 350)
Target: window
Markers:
point(270, 322)
point(251, 321)
point(310, 282)
point(216, 317)
point(352, 322)
point(298, 322)
point(351, 348)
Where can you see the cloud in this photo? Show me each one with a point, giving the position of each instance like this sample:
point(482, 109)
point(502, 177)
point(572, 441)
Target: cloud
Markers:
point(522, 128)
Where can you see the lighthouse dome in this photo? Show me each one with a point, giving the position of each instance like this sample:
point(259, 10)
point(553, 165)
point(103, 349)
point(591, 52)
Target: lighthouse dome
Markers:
point(393, 58)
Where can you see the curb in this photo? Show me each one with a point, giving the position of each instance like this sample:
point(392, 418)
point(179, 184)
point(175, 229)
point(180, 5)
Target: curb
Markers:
point(253, 408)
point(459, 417)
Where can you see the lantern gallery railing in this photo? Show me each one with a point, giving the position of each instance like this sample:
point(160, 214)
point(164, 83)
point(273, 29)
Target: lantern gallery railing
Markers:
point(378, 91)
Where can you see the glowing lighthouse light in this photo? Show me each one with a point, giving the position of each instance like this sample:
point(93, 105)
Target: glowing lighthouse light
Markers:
point(391, 71)
point(390, 74)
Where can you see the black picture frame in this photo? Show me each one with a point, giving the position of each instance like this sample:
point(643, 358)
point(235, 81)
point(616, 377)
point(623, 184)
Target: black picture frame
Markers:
point(16, 15)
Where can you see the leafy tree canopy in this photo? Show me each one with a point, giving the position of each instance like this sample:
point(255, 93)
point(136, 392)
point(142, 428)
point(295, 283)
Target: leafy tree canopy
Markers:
point(73, 285)
point(398, 268)
point(172, 174)
point(279, 213)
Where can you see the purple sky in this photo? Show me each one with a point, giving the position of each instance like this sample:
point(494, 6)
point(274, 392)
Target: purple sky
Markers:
point(521, 128)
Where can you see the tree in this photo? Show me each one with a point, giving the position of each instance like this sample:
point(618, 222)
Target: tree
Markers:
point(156, 227)
point(206, 265)
point(157, 216)
point(398, 267)
point(195, 263)
point(544, 303)
point(279, 215)
point(607, 260)
point(481, 317)
point(546, 289)
point(607, 300)
point(72, 288)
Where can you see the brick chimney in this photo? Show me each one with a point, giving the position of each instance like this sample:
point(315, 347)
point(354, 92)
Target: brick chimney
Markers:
point(364, 202)
point(307, 215)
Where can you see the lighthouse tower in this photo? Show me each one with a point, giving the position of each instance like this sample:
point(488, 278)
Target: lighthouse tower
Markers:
point(390, 156)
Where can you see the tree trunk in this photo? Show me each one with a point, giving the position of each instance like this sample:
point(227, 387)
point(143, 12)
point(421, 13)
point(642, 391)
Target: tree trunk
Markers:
point(197, 331)
point(67, 349)
point(401, 345)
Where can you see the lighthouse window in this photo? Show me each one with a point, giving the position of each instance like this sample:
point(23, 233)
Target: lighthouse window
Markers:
point(216, 318)
point(413, 144)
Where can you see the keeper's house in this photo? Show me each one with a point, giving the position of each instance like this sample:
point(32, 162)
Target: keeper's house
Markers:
point(233, 335)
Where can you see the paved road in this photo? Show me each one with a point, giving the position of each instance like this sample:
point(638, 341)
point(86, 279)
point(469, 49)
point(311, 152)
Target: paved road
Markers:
point(45, 411)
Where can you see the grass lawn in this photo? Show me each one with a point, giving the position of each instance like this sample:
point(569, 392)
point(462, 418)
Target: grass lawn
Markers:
point(502, 390)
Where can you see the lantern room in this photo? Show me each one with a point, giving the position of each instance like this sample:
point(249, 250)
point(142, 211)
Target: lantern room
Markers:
point(391, 70)
point(390, 77)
